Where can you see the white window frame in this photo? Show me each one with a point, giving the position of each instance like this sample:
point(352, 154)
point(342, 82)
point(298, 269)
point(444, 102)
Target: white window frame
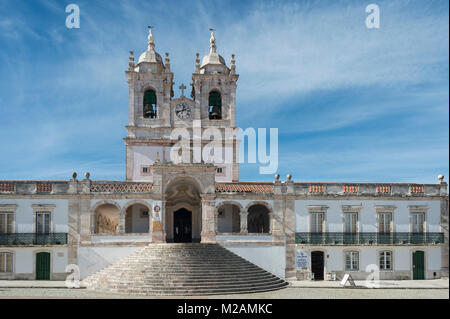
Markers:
point(10, 209)
point(351, 209)
point(318, 209)
point(381, 209)
point(351, 252)
point(43, 208)
point(3, 256)
point(418, 209)
point(391, 268)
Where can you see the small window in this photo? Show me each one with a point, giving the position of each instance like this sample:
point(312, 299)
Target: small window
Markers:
point(42, 222)
point(215, 106)
point(6, 262)
point(316, 222)
point(384, 223)
point(149, 104)
point(350, 222)
point(352, 260)
point(145, 170)
point(6, 222)
point(418, 220)
point(385, 258)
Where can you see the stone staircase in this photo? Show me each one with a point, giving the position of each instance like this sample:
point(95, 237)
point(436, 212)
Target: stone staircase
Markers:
point(183, 269)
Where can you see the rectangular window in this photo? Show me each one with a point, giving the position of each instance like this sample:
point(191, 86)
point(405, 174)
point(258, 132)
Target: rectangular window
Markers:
point(352, 260)
point(6, 262)
point(417, 222)
point(385, 260)
point(6, 222)
point(42, 222)
point(384, 223)
point(316, 222)
point(350, 223)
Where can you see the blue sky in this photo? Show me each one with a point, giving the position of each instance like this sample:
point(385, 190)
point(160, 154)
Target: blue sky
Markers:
point(352, 104)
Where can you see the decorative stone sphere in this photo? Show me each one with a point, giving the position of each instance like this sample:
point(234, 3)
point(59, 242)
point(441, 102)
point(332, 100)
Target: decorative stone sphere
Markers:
point(277, 177)
point(289, 177)
point(441, 177)
point(87, 175)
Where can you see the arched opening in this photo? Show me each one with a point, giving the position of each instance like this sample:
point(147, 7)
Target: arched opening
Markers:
point(183, 210)
point(149, 108)
point(137, 219)
point(182, 226)
point(106, 219)
point(215, 105)
point(258, 219)
point(228, 219)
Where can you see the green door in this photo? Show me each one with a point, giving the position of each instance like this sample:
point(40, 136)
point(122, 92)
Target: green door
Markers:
point(418, 265)
point(43, 266)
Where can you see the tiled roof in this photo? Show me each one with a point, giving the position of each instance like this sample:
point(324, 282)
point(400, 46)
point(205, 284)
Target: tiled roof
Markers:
point(244, 188)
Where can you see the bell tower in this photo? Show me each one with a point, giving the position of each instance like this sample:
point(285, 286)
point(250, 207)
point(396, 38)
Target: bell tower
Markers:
point(214, 92)
point(155, 116)
point(150, 84)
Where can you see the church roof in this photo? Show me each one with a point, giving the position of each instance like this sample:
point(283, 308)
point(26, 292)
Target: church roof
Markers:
point(212, 57)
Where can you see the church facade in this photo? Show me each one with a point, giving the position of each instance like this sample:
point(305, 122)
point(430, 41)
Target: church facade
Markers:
point(295, 230)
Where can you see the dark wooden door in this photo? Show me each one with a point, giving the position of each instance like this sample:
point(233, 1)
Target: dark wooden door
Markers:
point(418, 265)
point(317, 264)
point(43, 266)
point(182, 226)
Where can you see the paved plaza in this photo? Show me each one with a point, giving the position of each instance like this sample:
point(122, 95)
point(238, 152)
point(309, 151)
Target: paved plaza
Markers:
point(424, 289)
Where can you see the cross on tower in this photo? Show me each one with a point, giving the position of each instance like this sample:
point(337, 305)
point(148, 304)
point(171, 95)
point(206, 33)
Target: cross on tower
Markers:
point(182, 87)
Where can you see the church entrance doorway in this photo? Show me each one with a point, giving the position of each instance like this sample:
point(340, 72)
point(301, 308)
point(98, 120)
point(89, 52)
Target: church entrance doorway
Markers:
point(182, 226)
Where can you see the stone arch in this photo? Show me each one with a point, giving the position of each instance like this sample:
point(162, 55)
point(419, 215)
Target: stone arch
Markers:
point(106, 216)
point(194, 181)
point(133, 220)
point(259, 217)
point(228, 217)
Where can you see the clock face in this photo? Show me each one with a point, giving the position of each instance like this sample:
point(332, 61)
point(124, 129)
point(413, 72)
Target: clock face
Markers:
point(183, 111)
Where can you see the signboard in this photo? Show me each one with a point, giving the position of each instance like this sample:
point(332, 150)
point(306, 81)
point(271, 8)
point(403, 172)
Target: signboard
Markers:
point(301, 259)
point(348, 278)
point(157, 211)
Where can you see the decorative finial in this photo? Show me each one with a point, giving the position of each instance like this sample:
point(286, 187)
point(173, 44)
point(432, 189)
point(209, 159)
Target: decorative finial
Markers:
point(277, 177)
point(151, 40)
point(441, 178)
point(167, 62)
point(197, 63)
point(87, 175)
point(74, 175)
point(212, 41)
point(157, 158)
point(289, 177)
point(233, 65)
point(131, 62)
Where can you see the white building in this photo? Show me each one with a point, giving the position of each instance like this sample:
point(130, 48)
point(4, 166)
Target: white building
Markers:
point(291, 229)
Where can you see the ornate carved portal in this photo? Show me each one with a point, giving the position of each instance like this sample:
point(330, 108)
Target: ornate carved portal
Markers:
point(183, 212)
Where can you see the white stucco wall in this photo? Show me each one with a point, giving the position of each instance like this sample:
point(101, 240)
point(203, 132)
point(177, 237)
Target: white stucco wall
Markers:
point(24, 216)
point(93, 259)
point(269, 258)
point(368, 215)
point(24, 258)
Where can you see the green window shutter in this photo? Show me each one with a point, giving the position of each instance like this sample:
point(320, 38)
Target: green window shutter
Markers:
point(149, 97)
point(214, 99)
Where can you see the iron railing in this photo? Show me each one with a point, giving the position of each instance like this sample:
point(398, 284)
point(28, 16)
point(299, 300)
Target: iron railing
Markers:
point(369, 238)
point(33, 239)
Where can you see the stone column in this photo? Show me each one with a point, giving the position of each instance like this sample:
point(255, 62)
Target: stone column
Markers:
point(158, 224)
point(244, 215)
point(216, 221)
point(121, 223)
point(208, 219)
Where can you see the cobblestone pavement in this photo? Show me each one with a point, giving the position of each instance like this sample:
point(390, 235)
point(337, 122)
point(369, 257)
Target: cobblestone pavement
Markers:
point(287, 293)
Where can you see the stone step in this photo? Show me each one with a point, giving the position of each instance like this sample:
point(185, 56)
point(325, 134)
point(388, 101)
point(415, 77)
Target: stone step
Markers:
point(183, 269)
